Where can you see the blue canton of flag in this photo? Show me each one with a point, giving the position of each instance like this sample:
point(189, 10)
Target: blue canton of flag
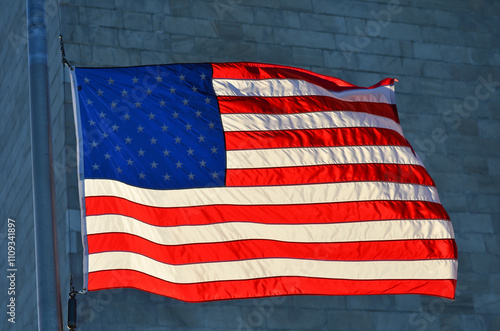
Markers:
point(155, 127)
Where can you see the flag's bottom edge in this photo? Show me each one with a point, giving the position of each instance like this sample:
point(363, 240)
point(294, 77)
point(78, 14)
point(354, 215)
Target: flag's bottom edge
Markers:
point(267, 287)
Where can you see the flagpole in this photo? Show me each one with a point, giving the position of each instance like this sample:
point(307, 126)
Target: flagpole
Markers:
point(47, 276)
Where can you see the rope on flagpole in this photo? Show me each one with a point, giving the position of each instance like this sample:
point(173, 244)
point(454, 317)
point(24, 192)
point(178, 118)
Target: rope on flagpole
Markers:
point(72, 303)
point(63, 54)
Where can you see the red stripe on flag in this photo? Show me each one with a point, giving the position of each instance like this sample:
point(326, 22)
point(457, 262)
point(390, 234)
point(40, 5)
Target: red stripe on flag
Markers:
point(272, 214)
point(301, 104)
point(249, 70)
point(256, 249)
point(275, 286)
point(313, 138)
point(413, 174)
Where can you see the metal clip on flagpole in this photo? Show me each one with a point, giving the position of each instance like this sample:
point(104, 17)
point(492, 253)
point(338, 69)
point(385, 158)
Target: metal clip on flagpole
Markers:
point(72, 316)
point(72, 310)
point(63, 54)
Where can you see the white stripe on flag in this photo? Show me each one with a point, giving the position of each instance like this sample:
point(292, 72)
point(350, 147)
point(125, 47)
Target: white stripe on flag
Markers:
point(295, 87)
point(291, 157)
point(263, 195)
point(261, 268)
point(299, 233)
point(304, 121)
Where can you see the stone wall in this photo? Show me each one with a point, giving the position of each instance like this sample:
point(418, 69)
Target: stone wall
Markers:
point(444, 53)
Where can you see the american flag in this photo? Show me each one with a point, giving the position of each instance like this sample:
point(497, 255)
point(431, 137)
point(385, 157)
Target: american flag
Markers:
point(236, 180)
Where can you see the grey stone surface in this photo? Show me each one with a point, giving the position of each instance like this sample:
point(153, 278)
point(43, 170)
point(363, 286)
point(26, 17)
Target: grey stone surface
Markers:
point(329, 302)
point(439, 50)
point(258, 33)
point(334, 24)
point(99, 35)
point(170, 24)
point(351, 320)
point(408, 303)
point(224, 317)
point(472, 243)
point(180, 8)
point(100, 17)
point(487, 303)
point(307, 56)
point(230, 11)
point(301, 5)
point(229, 31)
point(284, 18)
point(181, 315)
point(427, 51)
point(144, 6)
point(305, 38)
point(141, 40)
point(138, 21)
point(295, 319)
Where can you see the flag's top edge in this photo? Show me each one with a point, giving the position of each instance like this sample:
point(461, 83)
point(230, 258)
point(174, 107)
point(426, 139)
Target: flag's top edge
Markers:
point(230, 67)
